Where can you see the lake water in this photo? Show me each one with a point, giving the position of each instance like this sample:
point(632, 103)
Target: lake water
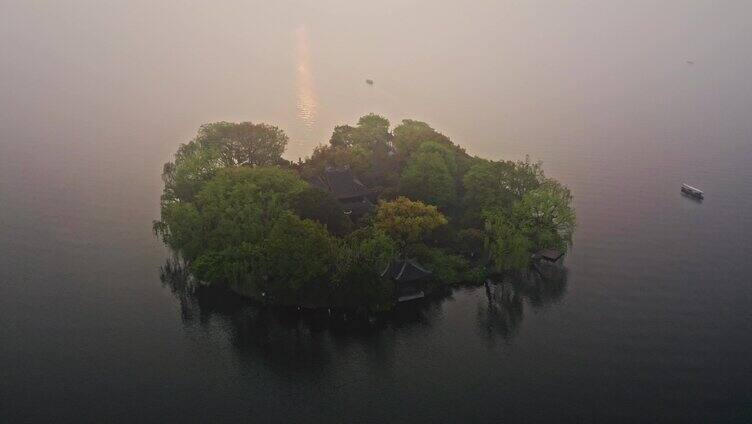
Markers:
point(622, 103)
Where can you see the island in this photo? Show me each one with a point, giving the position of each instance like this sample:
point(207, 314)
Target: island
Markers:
point(374, 217)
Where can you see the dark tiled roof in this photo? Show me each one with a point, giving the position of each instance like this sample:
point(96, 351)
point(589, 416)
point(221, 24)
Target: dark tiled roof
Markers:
point(341, 183)
point(358, 207)
point(405, 271)
point(318, 182)
point(552, 255)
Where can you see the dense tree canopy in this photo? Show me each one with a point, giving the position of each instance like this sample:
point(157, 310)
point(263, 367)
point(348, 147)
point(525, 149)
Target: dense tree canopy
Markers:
point(508, 247)
point(235, 208)
point(242, 216)
point(410, 135)
point(497, 185)
point(361, 258)
point(193, 167)
point(297, 252)
point(365, 148)
point(546, 216)
point(218, 145)
point(408, 222)
point(244, 143)
point(320, 206)
point(430, 175)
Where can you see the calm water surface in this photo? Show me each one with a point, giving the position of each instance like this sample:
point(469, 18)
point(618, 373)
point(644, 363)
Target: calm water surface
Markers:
point(652, 323)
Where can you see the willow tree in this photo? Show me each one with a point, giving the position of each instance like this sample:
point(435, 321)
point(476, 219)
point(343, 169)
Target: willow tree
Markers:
point(543, 218)
point(546, 216)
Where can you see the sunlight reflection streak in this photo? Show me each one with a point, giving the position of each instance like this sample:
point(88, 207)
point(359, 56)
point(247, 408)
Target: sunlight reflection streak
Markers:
point(307, 103)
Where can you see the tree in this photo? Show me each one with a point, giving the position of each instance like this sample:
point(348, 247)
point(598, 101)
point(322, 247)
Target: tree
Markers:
point(365, 148)
point(361, 258)
point(497, 185)
point(410, 134)
point(428, 177)
point(524, 177)
point(407, 221)
point(336, 156)
point(298, 253)
point(244, 143)
point(508, 247)
point(180, 228)
point(193, 166)
point(372, 131)
point(218, 145)
point(470, 242)
point(222, 231)
point(448, 155)
point(342, 136)
point(320, 206)
point(546, 216)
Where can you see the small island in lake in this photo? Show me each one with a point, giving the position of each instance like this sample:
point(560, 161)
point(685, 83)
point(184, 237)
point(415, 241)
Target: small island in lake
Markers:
point(371, 218)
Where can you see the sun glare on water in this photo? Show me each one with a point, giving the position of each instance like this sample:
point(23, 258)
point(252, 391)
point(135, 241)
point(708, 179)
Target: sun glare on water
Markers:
point(306, 94)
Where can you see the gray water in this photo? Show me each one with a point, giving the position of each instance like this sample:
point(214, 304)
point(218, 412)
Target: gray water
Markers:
point(652, 323)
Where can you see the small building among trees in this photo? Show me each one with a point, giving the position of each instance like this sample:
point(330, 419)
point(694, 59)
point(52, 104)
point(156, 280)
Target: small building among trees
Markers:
point(352, 194)
point(409, 278)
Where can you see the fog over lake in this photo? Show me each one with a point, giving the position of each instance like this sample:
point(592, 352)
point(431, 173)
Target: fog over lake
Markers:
point(621, 101)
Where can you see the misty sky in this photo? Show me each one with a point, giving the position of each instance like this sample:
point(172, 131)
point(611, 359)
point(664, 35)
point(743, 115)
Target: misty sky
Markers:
point(98, 84)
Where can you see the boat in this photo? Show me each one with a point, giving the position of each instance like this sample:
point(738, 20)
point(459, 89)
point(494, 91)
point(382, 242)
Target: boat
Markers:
point(692, 191)
point(369, 81)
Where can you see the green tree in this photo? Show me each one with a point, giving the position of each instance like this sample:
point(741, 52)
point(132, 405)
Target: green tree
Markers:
point(298, 254)
point(524, 177)
point(365, 148)
point(446, 268)
point(546, 215)
point(470, 242)
point(320, 206)
point(362, 257)
point(372, 131)
point(342, 136)
point(356, 158)
point(430, 176)
point(544, 218)
point(244, 143)
point(407, 221)
point(180, 228)
point(193, 166)
point(218, 145)
point(447, 154)
point(223, 229)
point(507, 245)
point(497, 185)
point(410, 134)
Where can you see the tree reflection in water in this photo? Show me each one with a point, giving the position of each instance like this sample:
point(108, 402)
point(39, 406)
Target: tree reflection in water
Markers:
point(309, 338)
point(504, 310)
point(288, 337)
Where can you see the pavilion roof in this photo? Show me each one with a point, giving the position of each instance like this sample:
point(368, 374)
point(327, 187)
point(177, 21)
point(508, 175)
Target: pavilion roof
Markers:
point(405, 271)
point(341, 183)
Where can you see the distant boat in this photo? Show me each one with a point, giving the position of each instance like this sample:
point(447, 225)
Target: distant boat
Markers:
point(690, 62)
point(369, 81)
point(692, 191)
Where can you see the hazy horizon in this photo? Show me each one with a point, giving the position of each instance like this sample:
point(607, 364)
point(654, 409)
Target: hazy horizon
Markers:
point(622, 101)
point(535, 70)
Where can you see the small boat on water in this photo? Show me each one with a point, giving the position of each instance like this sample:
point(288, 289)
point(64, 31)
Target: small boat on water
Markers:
point(369, 81)
point(692, 191)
